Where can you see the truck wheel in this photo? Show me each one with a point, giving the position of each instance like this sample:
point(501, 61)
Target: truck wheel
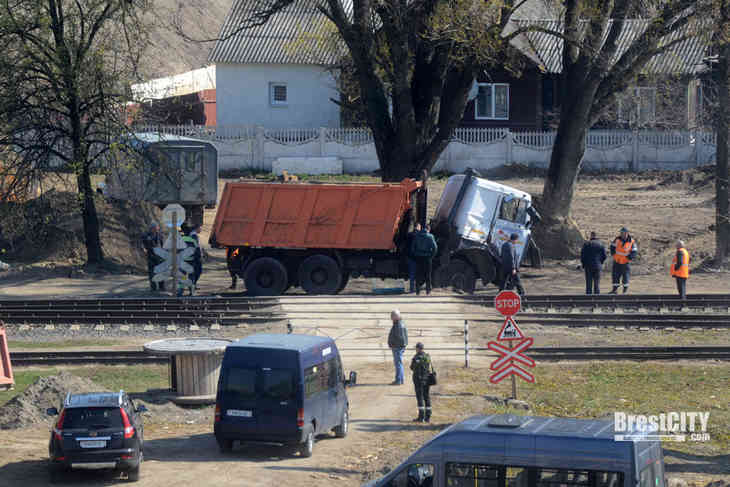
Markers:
point(460, 276)
point(320, 274)
point(343, 284)
point(266, 276)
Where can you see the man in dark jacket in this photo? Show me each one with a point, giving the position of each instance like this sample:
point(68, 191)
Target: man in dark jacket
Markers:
point(422, 367)
point(412, 264)
point(511, 266)
point(150, 240)
point(592, 256)
point(423, 249)
point(397, 342)
point(623, 250)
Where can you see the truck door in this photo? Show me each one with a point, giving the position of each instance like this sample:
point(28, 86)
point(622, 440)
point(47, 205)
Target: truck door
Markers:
point(511, 218)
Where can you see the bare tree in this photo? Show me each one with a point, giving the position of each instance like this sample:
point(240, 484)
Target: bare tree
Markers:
point(600, 61)
point(64, 78)
point(415, 63)
point(721, 86)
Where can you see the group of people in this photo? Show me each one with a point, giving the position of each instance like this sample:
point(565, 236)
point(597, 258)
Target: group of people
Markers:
point(422, 248)
point(190, 236)
point(421, 366)
point(623, 250)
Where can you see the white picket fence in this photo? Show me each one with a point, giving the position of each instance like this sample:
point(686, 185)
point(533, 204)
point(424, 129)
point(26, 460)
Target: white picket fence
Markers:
point(254, 147)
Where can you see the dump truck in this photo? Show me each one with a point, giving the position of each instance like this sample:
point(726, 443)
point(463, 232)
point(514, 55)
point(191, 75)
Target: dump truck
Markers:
point(165, 169)
point(316, 236)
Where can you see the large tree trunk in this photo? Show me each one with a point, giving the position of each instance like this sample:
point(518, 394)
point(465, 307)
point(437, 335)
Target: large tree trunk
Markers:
point(90, 218)
point(722, 212)
point(557, 233)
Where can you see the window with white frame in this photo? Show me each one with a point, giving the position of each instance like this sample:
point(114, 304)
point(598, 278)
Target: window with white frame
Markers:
point(278, 95)
point(637, 106)
point(492, 102)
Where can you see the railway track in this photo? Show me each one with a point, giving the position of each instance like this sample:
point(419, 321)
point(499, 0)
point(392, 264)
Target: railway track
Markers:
point(546, 354)
point(652, 311)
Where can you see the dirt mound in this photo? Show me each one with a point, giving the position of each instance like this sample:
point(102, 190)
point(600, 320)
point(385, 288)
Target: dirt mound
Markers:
point(29, 408)
point(696, 179)
point(49, 228)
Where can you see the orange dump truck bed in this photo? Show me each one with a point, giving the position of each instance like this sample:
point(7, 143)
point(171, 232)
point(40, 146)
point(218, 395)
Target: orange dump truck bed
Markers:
point(291, 215)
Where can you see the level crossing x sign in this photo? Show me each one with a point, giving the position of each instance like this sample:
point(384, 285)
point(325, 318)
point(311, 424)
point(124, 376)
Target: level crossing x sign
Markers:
point(508, 304)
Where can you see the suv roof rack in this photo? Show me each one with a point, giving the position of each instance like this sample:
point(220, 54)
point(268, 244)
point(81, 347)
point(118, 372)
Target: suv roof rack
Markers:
point(67, 400)
point(121, 395)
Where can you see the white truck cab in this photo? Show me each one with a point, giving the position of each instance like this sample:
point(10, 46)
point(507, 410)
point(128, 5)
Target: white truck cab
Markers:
point(474, 217)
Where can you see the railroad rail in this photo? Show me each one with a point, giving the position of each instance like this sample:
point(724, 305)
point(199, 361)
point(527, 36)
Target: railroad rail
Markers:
point(546, 354)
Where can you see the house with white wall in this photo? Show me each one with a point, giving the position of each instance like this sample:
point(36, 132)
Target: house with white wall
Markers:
point(275, 75)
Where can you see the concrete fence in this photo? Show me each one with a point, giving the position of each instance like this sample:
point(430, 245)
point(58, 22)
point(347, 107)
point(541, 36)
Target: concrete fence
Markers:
point(248, 147)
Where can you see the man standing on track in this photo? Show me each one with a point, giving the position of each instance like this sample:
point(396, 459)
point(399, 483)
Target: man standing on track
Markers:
point(592, 256)
point(511, 266)
point(680, 269)
point(623, 250)
point(397, 342)
point(423, 249)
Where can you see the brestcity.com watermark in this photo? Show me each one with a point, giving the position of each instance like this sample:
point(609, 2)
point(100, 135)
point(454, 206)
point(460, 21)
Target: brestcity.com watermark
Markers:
point(670, 426)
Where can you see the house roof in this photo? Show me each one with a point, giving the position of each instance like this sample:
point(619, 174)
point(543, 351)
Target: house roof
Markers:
point(685, 57)
point(298, 34)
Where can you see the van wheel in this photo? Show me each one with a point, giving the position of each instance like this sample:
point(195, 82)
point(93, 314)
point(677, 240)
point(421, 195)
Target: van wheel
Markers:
point(266, 276)
point(341, 430)
point(460, 276)
point(308, 447)
point(320, 274)
point(133, 475)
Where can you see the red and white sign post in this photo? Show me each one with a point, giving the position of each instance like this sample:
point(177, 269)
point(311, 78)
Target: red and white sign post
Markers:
point(508, 304)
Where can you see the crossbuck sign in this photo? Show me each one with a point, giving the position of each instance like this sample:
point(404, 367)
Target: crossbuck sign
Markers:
point(508, 304)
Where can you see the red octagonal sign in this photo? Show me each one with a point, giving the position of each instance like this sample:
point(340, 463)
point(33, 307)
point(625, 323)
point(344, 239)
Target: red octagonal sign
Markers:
point(507, 303)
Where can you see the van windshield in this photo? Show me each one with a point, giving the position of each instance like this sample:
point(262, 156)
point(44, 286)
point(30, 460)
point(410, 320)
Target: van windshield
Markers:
point(251, 383)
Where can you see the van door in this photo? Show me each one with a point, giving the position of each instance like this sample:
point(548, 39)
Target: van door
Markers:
point(276, 406)
point(339, 391)
point(237, 396)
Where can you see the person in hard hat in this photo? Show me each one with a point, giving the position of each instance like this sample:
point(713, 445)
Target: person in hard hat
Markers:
point(623, 250)
point(680, 269)
point(151, 240)
point(233, 263)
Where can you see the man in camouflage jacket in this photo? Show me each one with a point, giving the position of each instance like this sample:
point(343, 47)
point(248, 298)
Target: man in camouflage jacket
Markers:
point(422, 368)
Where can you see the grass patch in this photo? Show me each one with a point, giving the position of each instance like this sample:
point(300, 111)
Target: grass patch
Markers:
point(137, 378)
point(598, 390)
point(14, 344)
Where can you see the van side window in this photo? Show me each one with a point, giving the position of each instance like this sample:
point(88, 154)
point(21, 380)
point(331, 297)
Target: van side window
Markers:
point(474, 475)
point(553, 477)
point(415, 475)
point(312, 383)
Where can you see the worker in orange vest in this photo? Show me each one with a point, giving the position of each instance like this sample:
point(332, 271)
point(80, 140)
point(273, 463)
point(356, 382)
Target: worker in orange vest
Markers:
point(680, 269)
point(623, 250)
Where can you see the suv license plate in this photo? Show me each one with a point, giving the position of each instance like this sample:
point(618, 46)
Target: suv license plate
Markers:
point(92, 444)
point(239, 412)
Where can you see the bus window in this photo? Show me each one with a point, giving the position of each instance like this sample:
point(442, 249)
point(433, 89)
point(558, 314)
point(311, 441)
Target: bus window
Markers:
point(553, 477)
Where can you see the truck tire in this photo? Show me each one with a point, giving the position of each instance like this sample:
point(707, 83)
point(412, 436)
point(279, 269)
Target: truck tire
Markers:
point(320, 274)
point(343, 284)
point(266, 276)
point(460, 275)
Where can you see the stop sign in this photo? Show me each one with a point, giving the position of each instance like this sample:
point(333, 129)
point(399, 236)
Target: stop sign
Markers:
point(507, 303)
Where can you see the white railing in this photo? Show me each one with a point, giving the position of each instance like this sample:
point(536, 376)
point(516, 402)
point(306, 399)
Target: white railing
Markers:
point(481, 148)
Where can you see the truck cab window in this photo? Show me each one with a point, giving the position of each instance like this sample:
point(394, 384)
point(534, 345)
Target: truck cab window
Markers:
point(509, 209)
point(415, 475)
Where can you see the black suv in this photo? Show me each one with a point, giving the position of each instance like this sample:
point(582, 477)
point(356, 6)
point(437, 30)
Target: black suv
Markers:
point(97, 430)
